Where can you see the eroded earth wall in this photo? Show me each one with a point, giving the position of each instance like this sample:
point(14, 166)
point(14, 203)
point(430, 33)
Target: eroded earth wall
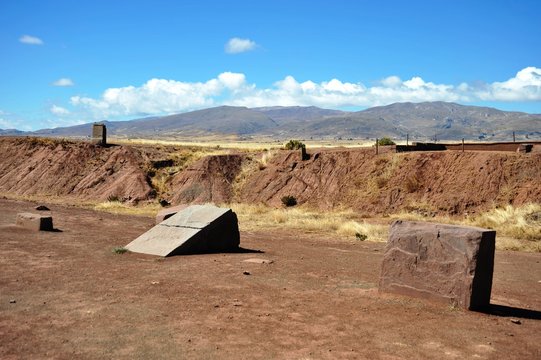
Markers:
point(60, 168)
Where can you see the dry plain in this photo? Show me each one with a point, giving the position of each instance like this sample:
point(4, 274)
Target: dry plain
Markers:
point(290, 295)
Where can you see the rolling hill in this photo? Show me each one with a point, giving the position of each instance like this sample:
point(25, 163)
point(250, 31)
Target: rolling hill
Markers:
point(422, 121)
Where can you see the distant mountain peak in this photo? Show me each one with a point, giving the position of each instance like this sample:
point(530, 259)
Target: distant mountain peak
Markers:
point(423, 120)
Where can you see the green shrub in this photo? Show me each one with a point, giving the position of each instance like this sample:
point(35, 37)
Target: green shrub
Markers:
point(294, 145)
point(385, 141)
point(120, 250)
point(289, 200)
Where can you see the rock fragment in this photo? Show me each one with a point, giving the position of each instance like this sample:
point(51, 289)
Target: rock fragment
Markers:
point(36, 222)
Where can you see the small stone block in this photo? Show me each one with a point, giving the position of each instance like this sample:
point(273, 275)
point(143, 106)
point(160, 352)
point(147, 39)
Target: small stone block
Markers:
point(35, 222)
point(447, 263)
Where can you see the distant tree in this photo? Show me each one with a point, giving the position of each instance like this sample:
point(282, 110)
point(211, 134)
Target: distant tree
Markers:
point(294, 145)
point(385, 141)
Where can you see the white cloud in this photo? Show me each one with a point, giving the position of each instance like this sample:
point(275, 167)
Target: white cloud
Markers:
point(59, 110)
point(525, 86)
point(391, 81)
point(161, 96)
point(30, 40)
point(63, 82)
point(231, 80)
point(237, 45)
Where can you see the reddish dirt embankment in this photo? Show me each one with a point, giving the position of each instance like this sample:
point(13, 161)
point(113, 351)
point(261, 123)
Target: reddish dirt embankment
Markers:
point(442, 182)
point(438, 182)
point(208, 180)
point(60, 168)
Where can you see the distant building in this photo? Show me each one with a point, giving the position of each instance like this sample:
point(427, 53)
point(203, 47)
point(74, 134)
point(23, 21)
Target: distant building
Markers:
point(99, 134)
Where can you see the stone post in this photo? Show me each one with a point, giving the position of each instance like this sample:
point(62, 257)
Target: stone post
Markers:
point(99, 134)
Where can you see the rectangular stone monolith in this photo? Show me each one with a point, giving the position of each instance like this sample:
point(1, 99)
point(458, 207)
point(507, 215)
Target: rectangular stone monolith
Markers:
point(448, 263)
point(99, 134)
point(196, 229)
point(36, 222)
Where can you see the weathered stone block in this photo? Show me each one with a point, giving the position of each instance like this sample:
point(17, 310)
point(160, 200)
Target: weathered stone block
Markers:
point(196, 229)
point(448, 263)
point(99, 134)
point(35, 222)
point(168, 212)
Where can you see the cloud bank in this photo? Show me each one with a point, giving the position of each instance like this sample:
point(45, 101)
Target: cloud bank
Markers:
point(238, 45)
point(30, 40)
point(161, 96)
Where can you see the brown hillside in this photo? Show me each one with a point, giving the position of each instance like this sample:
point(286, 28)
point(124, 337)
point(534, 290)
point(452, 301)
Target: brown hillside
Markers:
point(51, 167)
point(432, 182)
point(207, 180)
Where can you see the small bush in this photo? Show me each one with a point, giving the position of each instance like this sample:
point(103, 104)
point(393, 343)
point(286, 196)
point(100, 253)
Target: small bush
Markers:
point(158, 164)
point(360, 237)
point(120, 250)
point(113, 198)
point(385, 141)
point(289, 200)
point(294, 145)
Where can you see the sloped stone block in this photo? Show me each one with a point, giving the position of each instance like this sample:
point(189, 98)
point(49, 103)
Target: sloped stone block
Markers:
point(196, 229)
point(447, 263)
point(35, 222)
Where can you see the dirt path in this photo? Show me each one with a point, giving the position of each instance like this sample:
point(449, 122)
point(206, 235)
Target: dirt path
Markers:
point(318, 299)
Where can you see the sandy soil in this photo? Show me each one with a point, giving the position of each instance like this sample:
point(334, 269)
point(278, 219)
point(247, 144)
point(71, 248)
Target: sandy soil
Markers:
point(65, 295)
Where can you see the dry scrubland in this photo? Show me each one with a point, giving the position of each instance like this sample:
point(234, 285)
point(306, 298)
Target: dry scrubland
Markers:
point(306, 286)
point(347, 193)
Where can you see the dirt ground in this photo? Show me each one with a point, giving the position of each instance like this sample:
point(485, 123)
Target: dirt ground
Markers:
point(66, 295)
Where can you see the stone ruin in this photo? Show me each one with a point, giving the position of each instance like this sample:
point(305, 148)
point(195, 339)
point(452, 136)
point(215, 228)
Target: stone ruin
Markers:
point(99, 134)
point(35, 222)
point(197, 229)
point(447, 263)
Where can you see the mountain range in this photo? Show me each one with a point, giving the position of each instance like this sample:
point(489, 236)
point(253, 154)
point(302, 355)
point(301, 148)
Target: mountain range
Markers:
point(422, 121)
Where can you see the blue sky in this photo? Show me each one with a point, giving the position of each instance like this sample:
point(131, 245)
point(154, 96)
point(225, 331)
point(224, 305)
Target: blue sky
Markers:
point(69, 62)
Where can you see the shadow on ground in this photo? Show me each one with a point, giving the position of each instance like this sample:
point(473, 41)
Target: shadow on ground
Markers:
point(509, 311)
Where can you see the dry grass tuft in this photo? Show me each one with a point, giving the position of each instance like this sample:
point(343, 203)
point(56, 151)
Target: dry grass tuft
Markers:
point(515, 222)
point(344, 223)
point(517, 228)
point(372, 232)
point(265, 158)
point(117, 207)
